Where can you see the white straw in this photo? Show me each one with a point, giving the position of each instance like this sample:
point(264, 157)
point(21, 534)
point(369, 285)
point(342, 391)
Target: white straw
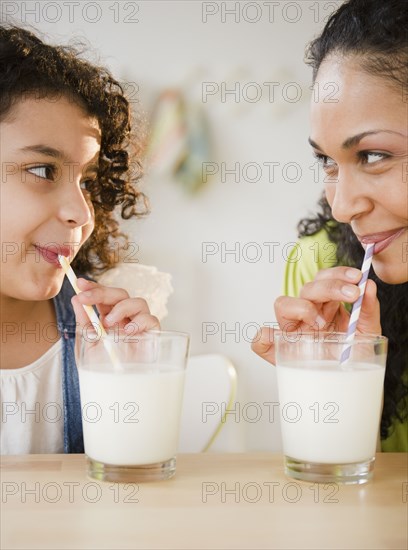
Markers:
point(355, 312)
point(89, 310)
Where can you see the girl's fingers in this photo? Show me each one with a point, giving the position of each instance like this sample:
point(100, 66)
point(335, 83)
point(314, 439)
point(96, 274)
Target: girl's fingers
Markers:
point(81, 316)
point(142, 322)
point(94, 293)
point(127, 308)
point(85, 284)
point(115, 307)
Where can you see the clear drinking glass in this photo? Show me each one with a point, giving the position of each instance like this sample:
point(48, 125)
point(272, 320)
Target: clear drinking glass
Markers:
point(131, 396)
point(330, 413)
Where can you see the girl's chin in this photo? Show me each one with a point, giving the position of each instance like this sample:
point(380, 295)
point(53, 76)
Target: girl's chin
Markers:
point(41, 290)
point(391, 273)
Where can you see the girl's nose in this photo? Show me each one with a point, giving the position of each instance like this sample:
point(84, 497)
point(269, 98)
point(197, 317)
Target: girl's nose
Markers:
point(75, 210)
point(348, 197)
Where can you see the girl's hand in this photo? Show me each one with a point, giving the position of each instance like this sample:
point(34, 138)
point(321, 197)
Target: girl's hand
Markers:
point(320, 306)
point(115, 306)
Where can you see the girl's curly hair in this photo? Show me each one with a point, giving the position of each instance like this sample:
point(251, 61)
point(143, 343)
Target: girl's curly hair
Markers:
point(29, 67)
point(374, 33)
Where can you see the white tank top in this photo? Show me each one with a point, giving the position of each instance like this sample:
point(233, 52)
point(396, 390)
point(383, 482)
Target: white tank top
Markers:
point(32, 416)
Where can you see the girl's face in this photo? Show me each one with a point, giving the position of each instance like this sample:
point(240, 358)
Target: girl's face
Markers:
point(359, 134)
point(49, 152)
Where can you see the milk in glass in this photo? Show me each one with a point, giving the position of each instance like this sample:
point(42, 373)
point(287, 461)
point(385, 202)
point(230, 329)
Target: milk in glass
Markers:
point(330, 414)
point(131, 417)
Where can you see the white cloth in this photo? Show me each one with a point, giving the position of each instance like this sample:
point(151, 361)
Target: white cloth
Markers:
point(142, 281)
point(32, 419)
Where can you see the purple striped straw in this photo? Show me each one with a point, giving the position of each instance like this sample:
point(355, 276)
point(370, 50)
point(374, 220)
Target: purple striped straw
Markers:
point(355, 312)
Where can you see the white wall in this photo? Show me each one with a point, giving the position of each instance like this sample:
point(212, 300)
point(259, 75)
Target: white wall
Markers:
point(170, 45)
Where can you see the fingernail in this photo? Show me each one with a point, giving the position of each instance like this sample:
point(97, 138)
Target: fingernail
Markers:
point(109, 318)
point(353, 273)
point(349, 291)
point(320, 321)
point(87, 293)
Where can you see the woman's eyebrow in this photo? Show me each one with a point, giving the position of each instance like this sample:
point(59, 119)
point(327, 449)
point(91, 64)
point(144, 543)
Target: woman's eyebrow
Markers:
point(354, 140)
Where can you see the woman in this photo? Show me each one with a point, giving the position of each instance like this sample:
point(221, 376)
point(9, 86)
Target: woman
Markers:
point(359, 136)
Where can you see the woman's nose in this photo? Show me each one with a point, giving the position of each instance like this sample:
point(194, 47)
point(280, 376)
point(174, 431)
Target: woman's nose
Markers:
point(348, 197)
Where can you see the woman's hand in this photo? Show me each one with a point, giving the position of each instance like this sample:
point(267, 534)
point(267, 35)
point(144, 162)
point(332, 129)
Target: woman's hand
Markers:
point(115, 306)
point(320, 306)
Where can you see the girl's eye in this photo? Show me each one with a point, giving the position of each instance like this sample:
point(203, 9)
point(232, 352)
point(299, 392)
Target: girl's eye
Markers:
point(87, 185)
point(45, 171)
point(369, 157)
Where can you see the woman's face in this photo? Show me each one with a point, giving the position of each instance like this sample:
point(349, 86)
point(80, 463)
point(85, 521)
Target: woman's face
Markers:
point(49, 151)
point(359, 133)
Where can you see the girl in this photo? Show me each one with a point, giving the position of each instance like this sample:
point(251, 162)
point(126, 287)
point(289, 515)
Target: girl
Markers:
point(65, 132)
point(360, 139)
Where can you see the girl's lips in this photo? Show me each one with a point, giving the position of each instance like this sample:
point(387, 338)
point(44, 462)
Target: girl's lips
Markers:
point(50, 254)
point(382, 240)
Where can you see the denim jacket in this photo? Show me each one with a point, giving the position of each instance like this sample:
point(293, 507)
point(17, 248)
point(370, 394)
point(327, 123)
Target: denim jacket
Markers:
point(73, 438)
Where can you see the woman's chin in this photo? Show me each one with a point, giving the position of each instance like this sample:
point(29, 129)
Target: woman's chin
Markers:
point(391, 273)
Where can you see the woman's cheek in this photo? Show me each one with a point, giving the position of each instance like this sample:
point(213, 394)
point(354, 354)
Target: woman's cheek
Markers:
point(329, 192)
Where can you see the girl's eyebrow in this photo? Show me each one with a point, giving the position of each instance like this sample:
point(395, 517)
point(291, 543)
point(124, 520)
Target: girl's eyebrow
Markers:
point(56, 154)
point(354, 140)
point(46, 150)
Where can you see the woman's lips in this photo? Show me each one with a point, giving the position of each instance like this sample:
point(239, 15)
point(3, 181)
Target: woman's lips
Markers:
point(50, 254)
point(383, 239)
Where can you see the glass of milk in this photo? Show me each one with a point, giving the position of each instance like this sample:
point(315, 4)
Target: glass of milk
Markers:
point(330, 413)
point(131, 396)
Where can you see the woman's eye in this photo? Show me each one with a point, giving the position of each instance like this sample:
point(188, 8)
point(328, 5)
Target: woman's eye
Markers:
point(45, 171)
point(370, 158)
point(326, 162)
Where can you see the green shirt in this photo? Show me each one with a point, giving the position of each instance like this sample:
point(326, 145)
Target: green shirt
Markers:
point(308, 256)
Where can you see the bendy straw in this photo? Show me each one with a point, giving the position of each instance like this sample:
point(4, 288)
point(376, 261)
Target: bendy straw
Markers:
point(355, 312)
point(69, 272)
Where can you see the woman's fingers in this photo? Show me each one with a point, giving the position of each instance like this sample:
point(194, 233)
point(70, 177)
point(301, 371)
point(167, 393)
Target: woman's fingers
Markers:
point(263, 344)
point(369, 321)
point(333, 284)
point(320, 306)
point(347, 274)
point(329, 290)
point(290, 312)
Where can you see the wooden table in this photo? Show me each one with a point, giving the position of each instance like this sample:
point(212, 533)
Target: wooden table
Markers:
point(214, 501)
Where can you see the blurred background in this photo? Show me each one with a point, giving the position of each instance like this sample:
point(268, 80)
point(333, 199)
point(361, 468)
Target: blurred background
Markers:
point(222, 94)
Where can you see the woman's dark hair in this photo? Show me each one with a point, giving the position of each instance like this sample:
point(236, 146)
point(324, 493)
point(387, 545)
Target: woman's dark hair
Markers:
point(374, 34)
point(29, 67)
